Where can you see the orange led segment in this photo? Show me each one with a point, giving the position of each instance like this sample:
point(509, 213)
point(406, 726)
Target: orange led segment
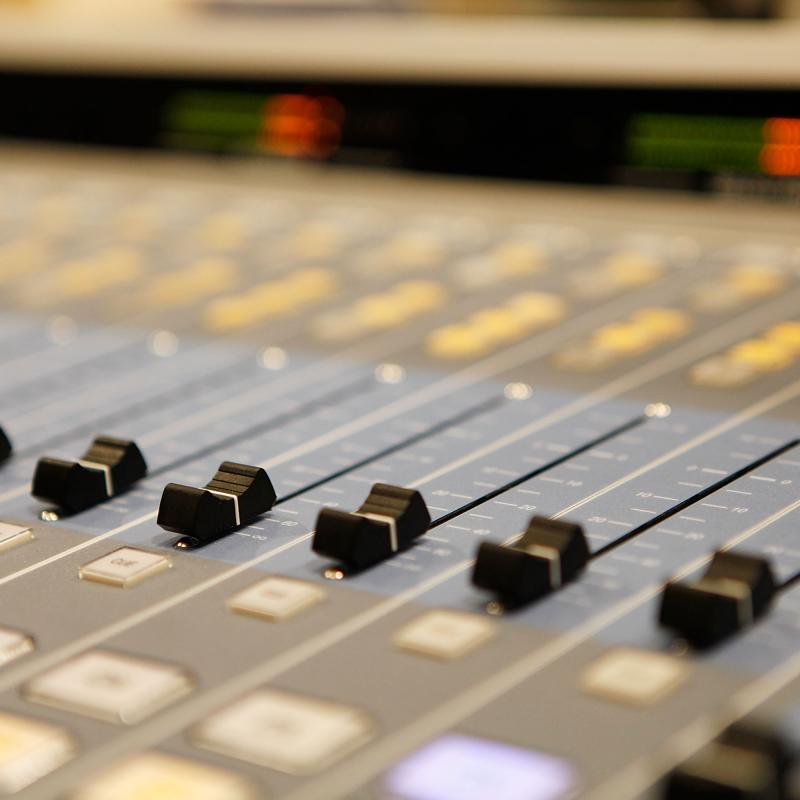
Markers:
point(782, 130)
point(301, 126)
point(779, 159)
point(781, 152)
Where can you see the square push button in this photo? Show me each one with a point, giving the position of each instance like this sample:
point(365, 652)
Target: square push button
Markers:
point(124, 567)
point(276, 598)
point(110, 687)
point(29, 750)
point(285, 732)
point(155, 776)
point(13, 644)
point(12, 535)
point(444, 634)
point(458, 767)
point(634, 677)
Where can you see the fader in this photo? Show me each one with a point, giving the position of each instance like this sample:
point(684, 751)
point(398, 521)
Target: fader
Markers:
point(236, 495)
point(5, 446)
point(549, 554)
point(110, 466)
point(388, 521)
point(735, 591)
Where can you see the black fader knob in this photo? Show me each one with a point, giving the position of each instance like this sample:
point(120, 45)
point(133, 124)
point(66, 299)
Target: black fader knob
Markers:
point(732, 594)
point(106, 469)
point(549, 554)
point(746, 762)
point(5, 446)
point(388, 521)
point(236, 495)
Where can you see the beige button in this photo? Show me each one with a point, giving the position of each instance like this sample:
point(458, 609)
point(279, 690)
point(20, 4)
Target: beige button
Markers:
point(716, 298)
point(764, 355)
point(276, 598)
point(624, 338)
point(787, 333)
point(109, 686)
point(124, 567)
point(585, 357)
point(634, 677)
point(515, 258)
point(630, 269)
point(13, 644)
point(285, 732)
point(444, 634)
point(758, 280)
point(12, 535)
point(157, 776)
point(29, 750)
point(664, 323)
point(721, 372)
point(458, 341)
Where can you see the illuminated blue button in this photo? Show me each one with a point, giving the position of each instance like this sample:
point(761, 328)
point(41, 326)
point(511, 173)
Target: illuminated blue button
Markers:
point(456, 767)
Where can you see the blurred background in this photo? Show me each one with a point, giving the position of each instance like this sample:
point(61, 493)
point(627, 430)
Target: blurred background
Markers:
point(698, 95)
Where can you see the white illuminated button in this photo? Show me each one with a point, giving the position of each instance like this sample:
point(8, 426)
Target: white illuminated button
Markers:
point(444, 634)
point(635, 677)
point(459, 767)
point(155, 776)
point(276, 598)
point(13, 644)
point(12, 535)
point(124, 567)
point(285, 732)
point(30, 750)
point(111, 687)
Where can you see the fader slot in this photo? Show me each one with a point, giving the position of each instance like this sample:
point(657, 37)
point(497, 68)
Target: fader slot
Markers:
point(225, 374)
point(319, 402)
point(540, 470)
point(107, 353)
point(696, 498)
point(423, 435)
point(630, 569)
point(84, 398)
point(552, 552)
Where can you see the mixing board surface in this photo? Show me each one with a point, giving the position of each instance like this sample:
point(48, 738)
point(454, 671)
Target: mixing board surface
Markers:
point(590, 394)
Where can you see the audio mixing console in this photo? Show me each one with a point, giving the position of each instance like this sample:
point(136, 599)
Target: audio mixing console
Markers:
point(335, 485)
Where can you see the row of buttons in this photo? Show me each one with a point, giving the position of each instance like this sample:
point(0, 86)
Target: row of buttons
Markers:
point(113, 269)
point(297, 237)
point(776, 349)
point(515, 258)
point(186, 285)
point(286, 732)
point(439, 634)
point(30, 749)
point(108, 270)
point(738, 287)
point(617, 273)
point(491, 328)
point(645, 330)
point(275, 298)
point(395, 306)
point(313, 733)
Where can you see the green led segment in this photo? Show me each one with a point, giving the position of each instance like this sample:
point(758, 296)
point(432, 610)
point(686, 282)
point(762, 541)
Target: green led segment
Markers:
point(214, 120)
point(700, 143)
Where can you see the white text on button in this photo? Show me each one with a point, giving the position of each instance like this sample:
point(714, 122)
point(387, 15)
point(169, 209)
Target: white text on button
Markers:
point(124, 567)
